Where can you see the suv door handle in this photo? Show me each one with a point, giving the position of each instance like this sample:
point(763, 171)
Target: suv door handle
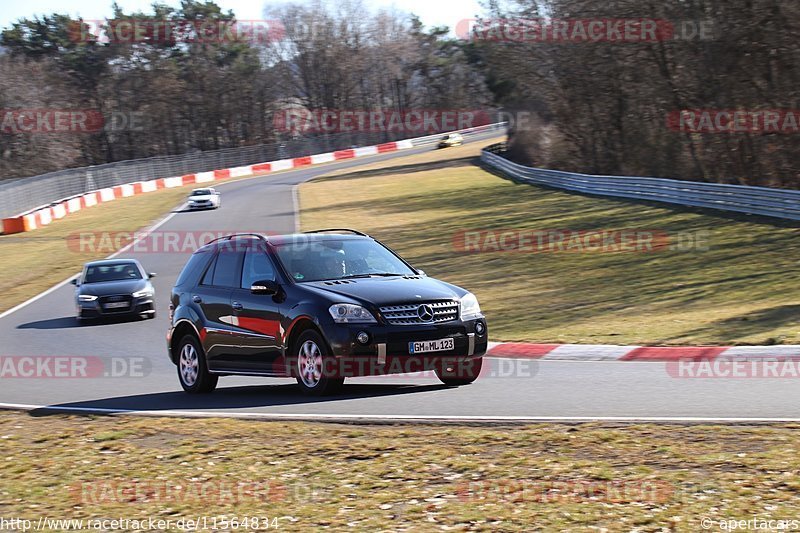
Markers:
point(237, 306)
point(196, 299)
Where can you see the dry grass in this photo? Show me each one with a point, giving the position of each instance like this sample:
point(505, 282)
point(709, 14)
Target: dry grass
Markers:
point(384, 478)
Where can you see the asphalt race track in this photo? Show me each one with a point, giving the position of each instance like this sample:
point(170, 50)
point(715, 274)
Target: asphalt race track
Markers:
point(517, 390)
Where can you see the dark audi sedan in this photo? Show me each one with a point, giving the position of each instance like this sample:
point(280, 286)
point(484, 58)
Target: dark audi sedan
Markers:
point(319, 307)
point(114, 287)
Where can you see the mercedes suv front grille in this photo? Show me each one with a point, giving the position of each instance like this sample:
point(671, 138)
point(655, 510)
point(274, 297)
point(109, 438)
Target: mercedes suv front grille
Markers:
point(421, 313)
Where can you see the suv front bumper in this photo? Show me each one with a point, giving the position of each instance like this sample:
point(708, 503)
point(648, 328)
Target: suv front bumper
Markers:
point(389, 345)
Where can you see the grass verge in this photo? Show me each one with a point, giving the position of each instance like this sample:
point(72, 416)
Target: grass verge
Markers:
point(730, 282)
point(381, 478)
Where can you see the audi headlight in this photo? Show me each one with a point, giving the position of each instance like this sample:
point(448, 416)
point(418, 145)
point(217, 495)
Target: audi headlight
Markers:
point(351, 314)
point(470, 309)
point(142, 293)
point(87, 298)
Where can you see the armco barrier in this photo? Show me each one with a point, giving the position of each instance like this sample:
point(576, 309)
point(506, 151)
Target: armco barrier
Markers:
point(44, 215)
point(779, 203)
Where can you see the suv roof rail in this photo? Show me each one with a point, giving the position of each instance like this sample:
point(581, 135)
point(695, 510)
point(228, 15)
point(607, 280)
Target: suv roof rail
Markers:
point(232, 235)
point(338, 230)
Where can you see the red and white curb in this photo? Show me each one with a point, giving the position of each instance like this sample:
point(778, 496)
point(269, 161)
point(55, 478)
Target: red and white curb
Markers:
point(610, 352)
point(43, 216)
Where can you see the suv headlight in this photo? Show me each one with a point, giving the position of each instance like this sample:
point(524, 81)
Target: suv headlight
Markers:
point(87, 298)
point(351, 314)
point(470, 309)
point(142, 293)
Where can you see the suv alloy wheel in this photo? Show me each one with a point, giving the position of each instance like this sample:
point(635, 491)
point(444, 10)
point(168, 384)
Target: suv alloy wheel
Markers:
point(309, 365)
point(192, 370)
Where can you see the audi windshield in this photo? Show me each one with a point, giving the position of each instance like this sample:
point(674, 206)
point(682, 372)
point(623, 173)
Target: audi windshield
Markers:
point(112, 272)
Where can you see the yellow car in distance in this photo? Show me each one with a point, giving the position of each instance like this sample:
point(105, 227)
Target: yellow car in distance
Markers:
point(451, 139)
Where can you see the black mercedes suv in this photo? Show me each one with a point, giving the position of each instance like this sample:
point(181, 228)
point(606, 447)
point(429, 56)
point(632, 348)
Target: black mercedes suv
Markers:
point(319, 307)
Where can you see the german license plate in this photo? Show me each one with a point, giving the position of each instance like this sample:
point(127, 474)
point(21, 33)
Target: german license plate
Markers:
point(439, 345)
point(116, 305)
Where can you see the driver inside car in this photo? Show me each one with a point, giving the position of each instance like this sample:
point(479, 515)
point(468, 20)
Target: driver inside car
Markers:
point(333, 265)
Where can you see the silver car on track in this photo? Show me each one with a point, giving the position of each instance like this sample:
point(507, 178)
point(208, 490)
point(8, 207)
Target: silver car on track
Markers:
point(206, 198)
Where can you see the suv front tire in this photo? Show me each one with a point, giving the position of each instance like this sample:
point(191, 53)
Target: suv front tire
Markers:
point(310, 356)
point(192, 369)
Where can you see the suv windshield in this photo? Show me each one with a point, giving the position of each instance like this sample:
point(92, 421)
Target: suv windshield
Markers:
point(201, 192)
point(112, 272)
point(339, 259)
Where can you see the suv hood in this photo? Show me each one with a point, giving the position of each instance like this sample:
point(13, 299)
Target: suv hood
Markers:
point(201, 197)
point(382, 291)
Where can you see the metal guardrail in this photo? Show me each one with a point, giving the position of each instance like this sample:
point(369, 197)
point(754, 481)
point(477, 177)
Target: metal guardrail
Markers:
point(24, 194)
point(780, 203)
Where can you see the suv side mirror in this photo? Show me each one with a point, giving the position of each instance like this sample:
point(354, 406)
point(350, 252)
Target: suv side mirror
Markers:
point(421, 272)
point(74, 281)
point(151, 275)
point(266, 286)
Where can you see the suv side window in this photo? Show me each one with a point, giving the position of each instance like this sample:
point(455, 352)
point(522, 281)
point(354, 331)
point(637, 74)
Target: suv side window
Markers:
point(209, 275)
point(257, 267)
point(228, 267)
point(193, 268)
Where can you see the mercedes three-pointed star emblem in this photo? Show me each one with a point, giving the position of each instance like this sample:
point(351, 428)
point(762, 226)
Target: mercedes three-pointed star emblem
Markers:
point(425, 312)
